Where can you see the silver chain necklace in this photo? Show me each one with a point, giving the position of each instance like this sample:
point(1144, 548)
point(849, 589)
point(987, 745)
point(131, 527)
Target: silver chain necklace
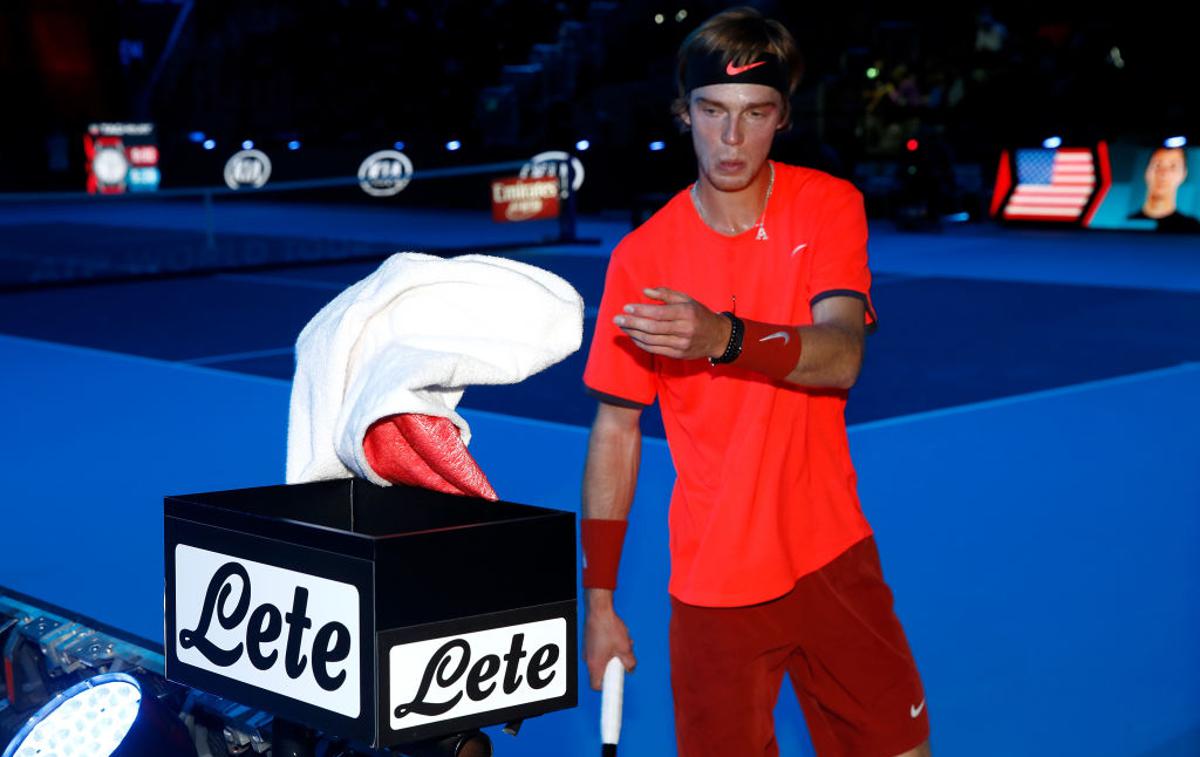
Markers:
point(762, 232)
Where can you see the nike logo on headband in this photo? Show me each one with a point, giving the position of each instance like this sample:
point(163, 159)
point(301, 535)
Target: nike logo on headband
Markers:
point(733, 70)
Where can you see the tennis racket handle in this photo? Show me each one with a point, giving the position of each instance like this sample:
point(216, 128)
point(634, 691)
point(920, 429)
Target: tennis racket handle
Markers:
point(612, 696)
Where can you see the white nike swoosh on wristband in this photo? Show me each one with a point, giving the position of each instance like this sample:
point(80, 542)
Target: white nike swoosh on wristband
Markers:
point(777, 335)
point(916, 711)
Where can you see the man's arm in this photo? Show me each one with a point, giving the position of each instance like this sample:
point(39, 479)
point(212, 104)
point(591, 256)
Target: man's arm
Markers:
point(831, 353)
point(609, 479)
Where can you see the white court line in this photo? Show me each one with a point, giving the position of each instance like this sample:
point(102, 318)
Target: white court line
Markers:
point(868, 426)
point(239, 356)
point(1041, 394)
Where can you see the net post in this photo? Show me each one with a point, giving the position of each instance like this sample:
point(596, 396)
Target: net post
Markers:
point(566, 217)
point(209, 241)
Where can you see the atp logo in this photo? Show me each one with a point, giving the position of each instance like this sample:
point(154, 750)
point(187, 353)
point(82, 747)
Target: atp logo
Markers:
point(248, 168)
point(385, 173)
point(554, 164)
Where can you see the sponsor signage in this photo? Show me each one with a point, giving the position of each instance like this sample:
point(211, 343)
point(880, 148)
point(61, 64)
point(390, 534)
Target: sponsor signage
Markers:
point(357, 609)
point(276, 629)
point(518, 199)
point(121, 158)
point(558, 164)
point(385, 173)
point(247, 169)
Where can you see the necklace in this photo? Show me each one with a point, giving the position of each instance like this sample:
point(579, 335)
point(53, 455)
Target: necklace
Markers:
point(762, 232)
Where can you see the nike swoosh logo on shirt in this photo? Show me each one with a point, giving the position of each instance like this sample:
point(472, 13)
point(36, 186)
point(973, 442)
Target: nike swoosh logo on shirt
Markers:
point(733, 70)
point(916, 711)
point(798, 248)
point(777, 335)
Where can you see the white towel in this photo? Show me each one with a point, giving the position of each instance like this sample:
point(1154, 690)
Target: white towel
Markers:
point(409, 338)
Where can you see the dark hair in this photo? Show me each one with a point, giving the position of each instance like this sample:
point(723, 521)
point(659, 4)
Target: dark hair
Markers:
point(741, 34)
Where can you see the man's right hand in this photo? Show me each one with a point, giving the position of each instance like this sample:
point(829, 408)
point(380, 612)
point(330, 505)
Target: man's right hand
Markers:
point(604, 636)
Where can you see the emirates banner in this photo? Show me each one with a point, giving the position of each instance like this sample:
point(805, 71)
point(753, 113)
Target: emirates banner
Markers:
point(518, 199)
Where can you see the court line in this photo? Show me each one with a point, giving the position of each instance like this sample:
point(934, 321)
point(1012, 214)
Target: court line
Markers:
point(858, 427)
point(1041, 394)
point(232, 356)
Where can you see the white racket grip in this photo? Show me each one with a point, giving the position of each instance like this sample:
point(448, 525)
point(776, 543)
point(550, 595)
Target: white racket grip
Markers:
point(612, 696)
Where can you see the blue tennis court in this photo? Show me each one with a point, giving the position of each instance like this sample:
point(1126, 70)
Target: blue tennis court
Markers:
point(1024, 434)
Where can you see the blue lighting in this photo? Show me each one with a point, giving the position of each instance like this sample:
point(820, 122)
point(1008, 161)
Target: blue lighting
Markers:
point(957, 217)
point(248, 144)
point(210, 144)
point(398, 144)
point(657, 146)
point(1052, 143)
point(582, 145)
point(294, 145)
point(196, 136)
point(1174, 142)
point(453, 145)
point(55, 728)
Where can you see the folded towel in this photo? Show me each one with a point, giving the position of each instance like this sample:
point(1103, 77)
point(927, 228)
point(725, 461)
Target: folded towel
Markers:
point(409, 338)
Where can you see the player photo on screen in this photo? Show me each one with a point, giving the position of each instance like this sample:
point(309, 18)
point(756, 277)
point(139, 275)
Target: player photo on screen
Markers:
point(1154, 189)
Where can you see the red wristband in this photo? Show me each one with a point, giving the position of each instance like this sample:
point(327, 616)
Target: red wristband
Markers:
point(602, 542)
point(769, 349)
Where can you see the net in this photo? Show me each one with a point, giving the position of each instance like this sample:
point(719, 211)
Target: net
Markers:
point(60, 239)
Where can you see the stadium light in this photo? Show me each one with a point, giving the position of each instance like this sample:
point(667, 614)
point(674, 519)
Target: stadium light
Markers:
point(454, 145)
point(681, 16)
point(294, 145)
point(872, 73)
point(582, 145)
point(210, 144)
point(1174, 142)
point(248, 144)
point(108, 714)
point(659, 18)
point(1052, 143)
point(196, 136)
point(657, 146)
point(398, 144)
point(912, 145)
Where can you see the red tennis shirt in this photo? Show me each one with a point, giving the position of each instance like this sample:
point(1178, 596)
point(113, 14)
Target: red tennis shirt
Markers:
point(765, 491)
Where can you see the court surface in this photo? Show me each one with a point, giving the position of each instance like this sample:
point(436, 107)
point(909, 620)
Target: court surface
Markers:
point(1023, 431)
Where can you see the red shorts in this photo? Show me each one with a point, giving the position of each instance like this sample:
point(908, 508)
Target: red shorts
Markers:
point(836, 636)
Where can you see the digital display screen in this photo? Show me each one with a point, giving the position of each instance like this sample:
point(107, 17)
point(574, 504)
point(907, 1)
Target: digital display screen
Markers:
point(1153, 189)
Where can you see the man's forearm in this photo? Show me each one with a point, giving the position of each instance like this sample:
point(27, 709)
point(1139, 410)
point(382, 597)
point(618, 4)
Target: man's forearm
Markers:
point(609, 480)
point(831, 357)
point(610, 473)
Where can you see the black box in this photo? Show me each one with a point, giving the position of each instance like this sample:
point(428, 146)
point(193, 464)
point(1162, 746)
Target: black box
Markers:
point(384, 615)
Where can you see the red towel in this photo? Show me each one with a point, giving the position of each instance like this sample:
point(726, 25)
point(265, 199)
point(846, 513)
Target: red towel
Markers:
point(427, 451)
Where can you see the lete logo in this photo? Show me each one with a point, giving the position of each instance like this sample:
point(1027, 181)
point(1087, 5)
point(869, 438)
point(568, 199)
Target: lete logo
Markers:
point(449, 677)
point(236, 629)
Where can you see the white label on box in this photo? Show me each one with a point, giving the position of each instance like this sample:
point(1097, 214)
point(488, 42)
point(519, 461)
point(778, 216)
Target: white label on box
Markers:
point(289, 633)
point(453, 676)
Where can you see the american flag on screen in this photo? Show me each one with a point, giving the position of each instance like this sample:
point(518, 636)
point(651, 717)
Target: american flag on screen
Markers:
point(1052, 185)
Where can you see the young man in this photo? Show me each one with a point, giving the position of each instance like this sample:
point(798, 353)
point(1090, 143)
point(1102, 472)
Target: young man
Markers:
point(1165, 172)
point(742, 306)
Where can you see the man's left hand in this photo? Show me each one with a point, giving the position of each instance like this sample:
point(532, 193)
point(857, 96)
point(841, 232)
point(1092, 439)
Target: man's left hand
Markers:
point(679, 328)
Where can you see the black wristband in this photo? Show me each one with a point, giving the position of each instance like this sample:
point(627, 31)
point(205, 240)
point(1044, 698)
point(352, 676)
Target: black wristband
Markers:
point(734, 348)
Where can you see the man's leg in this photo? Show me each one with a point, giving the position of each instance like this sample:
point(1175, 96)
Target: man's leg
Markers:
point(853, 672)
point(727, 665)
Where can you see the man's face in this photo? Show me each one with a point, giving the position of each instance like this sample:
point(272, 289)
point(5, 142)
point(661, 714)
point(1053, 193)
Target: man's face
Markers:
point(733, 126)
point(1165, 172)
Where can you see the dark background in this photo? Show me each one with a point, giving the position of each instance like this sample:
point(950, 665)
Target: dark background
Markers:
point(513, 77)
